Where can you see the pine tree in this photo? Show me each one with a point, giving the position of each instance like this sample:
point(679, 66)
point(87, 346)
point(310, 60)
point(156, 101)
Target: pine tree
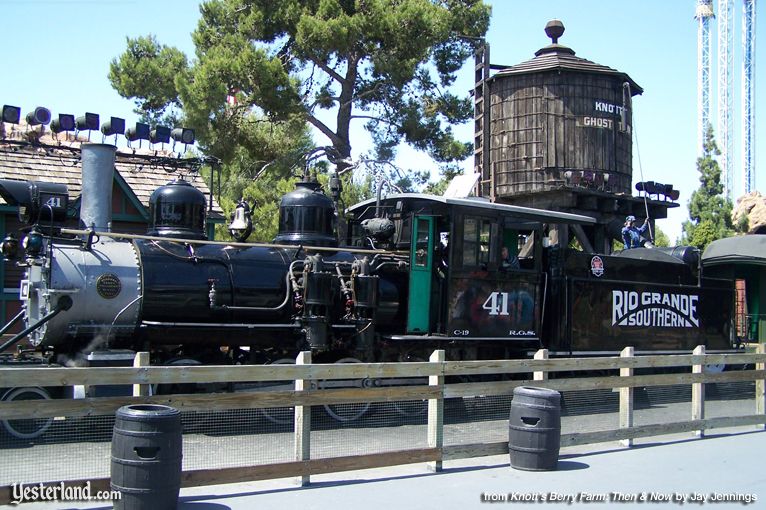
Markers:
point(388, 63)
point(709, 210)
point(264, 70)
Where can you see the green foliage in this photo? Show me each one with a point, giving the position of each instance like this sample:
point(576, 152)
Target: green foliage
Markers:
point(742, 225)
point(661, 239)
point(263, 69)
point(709, 210)
point(703, 234)
point(149, 73)
point(386, 61)
point(264, 195)
point(448, 173)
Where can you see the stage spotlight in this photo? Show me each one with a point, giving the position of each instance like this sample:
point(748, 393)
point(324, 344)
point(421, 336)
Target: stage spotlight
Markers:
point(87, 122)
point(40, 115)
point(113, 126)
point(160, 134)
point(658, 188)
point(11, 114)
point(183, 135)
point(139, 132)
point(65, 122)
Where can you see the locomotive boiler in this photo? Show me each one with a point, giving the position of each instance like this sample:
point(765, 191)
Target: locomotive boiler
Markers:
point(176, 294)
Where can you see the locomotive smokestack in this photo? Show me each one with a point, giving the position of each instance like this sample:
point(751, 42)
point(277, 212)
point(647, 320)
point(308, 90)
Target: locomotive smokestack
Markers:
point(97, 177)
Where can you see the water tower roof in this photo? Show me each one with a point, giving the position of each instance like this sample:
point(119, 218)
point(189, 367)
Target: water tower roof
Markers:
point(556, 57)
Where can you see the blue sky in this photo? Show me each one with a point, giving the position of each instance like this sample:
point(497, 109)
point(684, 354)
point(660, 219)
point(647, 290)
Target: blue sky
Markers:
point(57, 54)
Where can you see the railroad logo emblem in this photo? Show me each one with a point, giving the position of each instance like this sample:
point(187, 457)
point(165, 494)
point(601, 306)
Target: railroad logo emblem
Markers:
point(108, 286)
point(654, 309)
point(597, 266)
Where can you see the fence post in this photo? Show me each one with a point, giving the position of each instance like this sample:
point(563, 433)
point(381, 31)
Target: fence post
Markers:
point(303, 420)
point(698, 392)
point(760, 387)
point(626, 397)
point(541, 375)
point(436, 411)
point(141, 360)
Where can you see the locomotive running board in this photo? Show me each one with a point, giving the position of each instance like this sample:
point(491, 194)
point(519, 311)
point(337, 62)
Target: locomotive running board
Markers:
point(219, 325)
point(440, 338)
point(586, 354)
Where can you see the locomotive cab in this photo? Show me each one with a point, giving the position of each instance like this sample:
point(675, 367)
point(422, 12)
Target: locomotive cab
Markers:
point(475, 268)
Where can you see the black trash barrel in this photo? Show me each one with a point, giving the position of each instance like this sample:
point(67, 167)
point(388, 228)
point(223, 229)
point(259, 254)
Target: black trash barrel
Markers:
point(146, 457)
point(534, 429)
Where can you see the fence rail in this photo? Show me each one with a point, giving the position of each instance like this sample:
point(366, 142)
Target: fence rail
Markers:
point(311, 386)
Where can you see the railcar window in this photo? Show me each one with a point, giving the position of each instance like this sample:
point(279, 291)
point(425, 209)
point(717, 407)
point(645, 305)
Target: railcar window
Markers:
point(518, 249)
point(470, 230)
point(476, 241)
point(509, 254)
point(484, 237)
point(421, 255)
point(527, 249)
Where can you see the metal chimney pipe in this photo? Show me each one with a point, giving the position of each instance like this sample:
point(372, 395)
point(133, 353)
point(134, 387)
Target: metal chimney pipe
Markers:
point(97, 178)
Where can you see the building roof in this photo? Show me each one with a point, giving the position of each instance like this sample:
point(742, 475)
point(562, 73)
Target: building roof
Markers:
point(139, 174)
point(749, 249)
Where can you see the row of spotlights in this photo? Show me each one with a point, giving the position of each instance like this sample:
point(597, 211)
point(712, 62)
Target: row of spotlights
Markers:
point(90, 122)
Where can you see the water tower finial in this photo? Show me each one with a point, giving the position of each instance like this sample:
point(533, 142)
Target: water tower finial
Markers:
point(554, 29)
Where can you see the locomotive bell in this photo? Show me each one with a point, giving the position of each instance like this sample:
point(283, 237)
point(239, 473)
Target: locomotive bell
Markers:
point(241, 225)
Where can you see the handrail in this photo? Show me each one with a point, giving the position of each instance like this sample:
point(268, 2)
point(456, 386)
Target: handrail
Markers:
point(66, 376)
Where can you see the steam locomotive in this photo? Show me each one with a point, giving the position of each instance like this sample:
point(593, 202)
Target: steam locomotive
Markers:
point(415, 272)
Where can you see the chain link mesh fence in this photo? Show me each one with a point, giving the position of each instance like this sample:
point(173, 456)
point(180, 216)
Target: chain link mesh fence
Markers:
point(80, 447)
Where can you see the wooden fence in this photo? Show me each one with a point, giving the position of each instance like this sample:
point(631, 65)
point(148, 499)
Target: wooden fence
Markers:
point(307, 393)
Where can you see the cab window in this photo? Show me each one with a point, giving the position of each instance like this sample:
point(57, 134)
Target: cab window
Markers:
point(476, 241)
point(421, 242)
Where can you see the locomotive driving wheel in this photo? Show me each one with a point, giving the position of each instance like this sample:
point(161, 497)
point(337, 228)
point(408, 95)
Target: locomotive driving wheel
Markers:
point(31, 428)
point(347, 412)
point(412, 408)
point(279, 415)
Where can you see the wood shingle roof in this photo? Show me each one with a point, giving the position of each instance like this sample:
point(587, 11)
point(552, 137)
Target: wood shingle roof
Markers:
point(556, 58)
point(49, 163)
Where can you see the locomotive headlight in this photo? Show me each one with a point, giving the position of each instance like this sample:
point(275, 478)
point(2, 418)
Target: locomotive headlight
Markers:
point(33, 243)
point(10, 248)
point(39, 202)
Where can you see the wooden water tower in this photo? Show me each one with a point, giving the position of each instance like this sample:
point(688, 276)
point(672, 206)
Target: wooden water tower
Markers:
point(558, 134)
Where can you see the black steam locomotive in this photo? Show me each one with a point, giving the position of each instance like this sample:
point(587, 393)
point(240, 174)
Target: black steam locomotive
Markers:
point(415, 273)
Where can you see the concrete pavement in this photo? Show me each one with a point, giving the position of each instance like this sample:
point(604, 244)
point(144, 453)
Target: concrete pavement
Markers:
point(725, 470)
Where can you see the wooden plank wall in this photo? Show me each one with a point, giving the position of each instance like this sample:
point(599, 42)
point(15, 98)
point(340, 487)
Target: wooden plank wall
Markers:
point(541, 126)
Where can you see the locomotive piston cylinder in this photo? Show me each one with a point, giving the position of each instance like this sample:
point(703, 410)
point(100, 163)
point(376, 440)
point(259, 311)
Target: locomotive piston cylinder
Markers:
point(316, 332)
point(366, 293)
point(319, 289)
